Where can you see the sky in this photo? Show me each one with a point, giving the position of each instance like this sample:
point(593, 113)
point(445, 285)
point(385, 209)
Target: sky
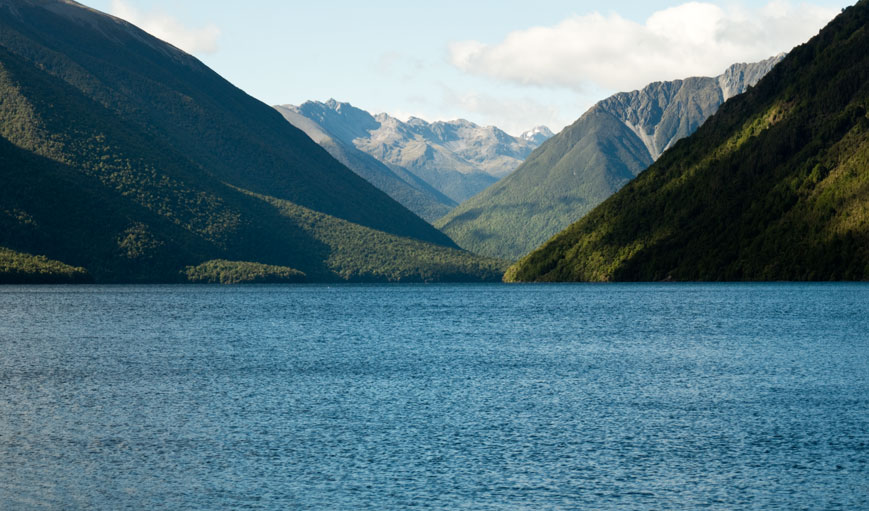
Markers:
point(508, 63)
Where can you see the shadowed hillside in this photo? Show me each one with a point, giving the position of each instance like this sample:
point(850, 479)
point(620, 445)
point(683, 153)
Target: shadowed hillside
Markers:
point(129, 158)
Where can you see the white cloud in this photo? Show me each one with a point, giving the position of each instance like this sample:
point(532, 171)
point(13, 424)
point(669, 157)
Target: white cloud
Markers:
point(169, 29)
point(609, 51)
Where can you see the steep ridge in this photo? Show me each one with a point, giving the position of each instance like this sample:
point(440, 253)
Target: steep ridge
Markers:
point(775, 186)
point(590, 160)
point(456, 158)
point(127, 158)
point(409, 190)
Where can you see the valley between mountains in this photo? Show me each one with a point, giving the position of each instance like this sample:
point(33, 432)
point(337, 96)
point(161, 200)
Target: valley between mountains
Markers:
point(124, 159)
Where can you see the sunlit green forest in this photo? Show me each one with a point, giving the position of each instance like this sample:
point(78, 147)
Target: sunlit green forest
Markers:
point(775, 186)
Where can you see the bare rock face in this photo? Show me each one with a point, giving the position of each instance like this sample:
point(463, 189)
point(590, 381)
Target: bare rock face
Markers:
point(663, 113)
point(457, 158)
point(739, 77)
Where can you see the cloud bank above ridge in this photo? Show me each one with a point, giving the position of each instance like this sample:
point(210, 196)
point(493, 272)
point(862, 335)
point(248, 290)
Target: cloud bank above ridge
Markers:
point(611, 52)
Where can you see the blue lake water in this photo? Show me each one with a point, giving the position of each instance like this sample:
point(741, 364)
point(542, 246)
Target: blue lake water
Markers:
point(483, 397)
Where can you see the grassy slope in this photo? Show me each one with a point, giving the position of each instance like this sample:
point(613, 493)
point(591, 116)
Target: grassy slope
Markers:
point(775, 186)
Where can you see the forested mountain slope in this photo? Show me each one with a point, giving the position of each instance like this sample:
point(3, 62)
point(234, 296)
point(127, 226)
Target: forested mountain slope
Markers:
point(775, 186)
point(129, 158)
point(589, 161)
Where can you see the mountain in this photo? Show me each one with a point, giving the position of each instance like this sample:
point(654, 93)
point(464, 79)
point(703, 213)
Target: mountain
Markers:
point(125, 157)
point(403, 186)
point(590, 160)
point(456, 158)
point(537, 135)
point(775, 186)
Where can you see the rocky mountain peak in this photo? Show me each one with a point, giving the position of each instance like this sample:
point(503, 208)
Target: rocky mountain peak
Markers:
point(662, 113)
point(537, 135)
point(739, 77)
point(458, 158)
point(416, 122)
point(341, 120)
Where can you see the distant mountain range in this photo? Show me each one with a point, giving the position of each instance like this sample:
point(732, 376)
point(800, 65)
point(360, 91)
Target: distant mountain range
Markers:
point(400, 184)
point(590, 160)
point(123, 159)
point(458, 159)
point(775, 186)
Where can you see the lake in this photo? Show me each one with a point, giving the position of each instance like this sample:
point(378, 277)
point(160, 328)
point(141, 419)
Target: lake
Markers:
point(483, 397)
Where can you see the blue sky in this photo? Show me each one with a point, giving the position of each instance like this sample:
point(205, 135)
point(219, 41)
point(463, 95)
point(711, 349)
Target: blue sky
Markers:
point(514, 64)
